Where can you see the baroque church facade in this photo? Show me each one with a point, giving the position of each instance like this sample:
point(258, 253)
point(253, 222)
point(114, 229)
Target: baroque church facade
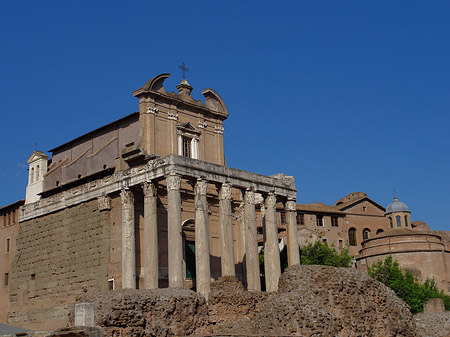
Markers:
point(147, 201)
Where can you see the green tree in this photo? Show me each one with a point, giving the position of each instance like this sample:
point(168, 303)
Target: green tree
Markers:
point(405, 286)
point(319, 253)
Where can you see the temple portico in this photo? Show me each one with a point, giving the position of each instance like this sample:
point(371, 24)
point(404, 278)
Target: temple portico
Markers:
point(166, 185)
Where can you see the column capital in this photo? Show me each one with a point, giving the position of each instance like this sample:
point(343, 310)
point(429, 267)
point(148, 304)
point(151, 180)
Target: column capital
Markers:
point(291, 205)
point(271, 200)
point(149, 189)
point(173, 181)
point(104, 203)
point(127, 197)
point(225, 192)
point(249, 196)
point(201, 187)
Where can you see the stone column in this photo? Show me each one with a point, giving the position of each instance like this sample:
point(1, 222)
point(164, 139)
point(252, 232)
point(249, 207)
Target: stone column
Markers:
point(293, 253)
point(175, 240)
point(251, 241)
point(128, 241)
point(271, 250)
point(150, 255)
point(202, 265)
point(226, 231)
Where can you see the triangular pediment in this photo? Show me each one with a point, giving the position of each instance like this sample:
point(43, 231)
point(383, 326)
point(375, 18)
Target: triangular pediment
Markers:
point(36, 155)
point(188, 127)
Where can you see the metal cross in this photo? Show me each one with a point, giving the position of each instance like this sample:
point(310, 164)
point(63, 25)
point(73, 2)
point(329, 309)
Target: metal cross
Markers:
point(184, 69)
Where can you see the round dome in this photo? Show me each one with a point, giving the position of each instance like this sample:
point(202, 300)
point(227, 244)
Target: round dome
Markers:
point(397, 206)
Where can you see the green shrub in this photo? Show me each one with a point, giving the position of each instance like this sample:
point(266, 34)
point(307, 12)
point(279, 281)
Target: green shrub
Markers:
point(321, 254)
point(405, 286)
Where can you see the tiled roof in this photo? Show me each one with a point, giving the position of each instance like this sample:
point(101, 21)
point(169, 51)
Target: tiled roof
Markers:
point(319, 208)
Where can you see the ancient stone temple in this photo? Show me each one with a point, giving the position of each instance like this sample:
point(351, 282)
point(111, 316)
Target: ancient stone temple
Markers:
point(145, 202)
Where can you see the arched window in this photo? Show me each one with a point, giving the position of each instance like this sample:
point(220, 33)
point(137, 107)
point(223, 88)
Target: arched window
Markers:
point(366, 234)
point(406, 221)
point(352, 236)
point(37, 173)
point(379, 231)
point(398, 219)
point(391, 225)
point(32, 175)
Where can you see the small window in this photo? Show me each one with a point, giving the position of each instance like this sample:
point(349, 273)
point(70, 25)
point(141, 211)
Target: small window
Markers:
point(37, 173)
point(324, 240)
point(364, 208)
point(366, 234)
point(57, 183)
point(341, 243)
point(13, 217)
point(187, 150)
point(334, 221)
point(300, 219)
point(111, 284)
point(283, 218)
point(398, 219)
point(6, 281)
point(319, 220)
point(379, 231)
point(406, 221)
point(32, 175)
point(8, 245)
point(352, 237)
point(33, 277)
point(391, 225)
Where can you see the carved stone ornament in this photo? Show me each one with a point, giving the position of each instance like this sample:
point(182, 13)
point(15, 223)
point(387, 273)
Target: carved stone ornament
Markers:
point(271, 200)
point(149, 189)
point(202, 124)
point(219, 129)
point(127, 197)
point(200, 187)
point(152, 110)
point(249, 196)
point(173, 115)
point(291, 205)
point(173, 182)
point(104, 203)
point(225, 192)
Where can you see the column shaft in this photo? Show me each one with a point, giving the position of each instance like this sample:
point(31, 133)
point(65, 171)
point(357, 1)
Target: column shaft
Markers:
point(293, 248)
point(271, 250)
point(128, 241)
point(175, 239)
point(251, 242)
point(202, 262)
point(226, 231)
point(150, 236)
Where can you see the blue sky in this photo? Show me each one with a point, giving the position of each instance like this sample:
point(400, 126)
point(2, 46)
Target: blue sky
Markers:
point(344, 95)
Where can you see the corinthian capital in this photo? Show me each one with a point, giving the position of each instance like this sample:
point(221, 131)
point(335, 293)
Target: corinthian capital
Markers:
point(200, 187)
point(149, 189)
point(127, 197)
point(173, 181)
point(271, 200)
point(225, 192)
point(291, 205)
point(249, 196)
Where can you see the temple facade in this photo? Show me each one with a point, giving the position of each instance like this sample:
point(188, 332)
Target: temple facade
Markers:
point(144, 202)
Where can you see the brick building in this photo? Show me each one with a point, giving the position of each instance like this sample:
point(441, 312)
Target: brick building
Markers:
point(9, 229)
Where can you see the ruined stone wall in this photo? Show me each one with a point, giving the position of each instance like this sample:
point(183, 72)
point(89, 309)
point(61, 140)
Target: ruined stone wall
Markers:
point(61, 255)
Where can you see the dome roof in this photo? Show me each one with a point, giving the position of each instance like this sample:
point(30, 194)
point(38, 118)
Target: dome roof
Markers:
point(397, 206)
